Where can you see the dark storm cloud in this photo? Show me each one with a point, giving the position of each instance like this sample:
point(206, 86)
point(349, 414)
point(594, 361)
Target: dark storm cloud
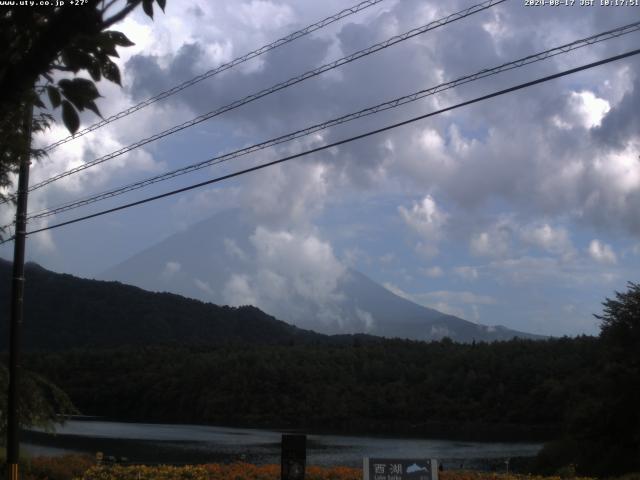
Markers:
point(515, 150)
point(623, 122)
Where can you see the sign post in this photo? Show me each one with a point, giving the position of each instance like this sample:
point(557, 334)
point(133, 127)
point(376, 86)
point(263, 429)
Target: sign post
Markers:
point(294, 457)
point(400, 469)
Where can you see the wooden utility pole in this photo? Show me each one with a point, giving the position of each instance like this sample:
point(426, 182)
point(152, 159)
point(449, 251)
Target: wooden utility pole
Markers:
point(17, 301)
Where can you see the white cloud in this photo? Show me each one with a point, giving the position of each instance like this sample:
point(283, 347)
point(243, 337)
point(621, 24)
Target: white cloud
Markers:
point(589, 109)
point(583, 109)
point(460, 297)
point(425, 217)
point(466, 272)
point(366, 318)
point(601, 252)
point(304, 259)
point(294, 274)
point(433, 272)
point(203, 286)
point(170, 269)
point(548, 238)
point(428, 221)
point(495, 243)
point(233, 250)
point(397, 290)
point(387, 258)
point(290, 194)
point(263, 15)
point(237, 291)
point(449, 309)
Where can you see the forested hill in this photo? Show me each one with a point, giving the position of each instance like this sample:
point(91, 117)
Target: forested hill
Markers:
point(63, 311)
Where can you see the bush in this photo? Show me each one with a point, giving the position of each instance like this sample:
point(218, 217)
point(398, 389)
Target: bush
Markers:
point(65, 467)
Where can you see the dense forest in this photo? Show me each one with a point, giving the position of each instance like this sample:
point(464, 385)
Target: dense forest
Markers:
point(507, 390)
point(570, 389)
point(123, 353)
point(63, 312)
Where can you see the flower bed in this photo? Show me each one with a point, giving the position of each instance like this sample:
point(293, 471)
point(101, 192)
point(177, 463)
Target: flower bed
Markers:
point(77, 467)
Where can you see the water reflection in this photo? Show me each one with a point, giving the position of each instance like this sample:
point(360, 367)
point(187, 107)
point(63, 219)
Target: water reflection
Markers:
point(195, 443)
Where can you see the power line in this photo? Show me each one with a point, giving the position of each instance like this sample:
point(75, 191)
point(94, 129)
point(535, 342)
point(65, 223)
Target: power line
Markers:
point(338, 143)
point(292, 81)
point(614, 33)
point(221, 68)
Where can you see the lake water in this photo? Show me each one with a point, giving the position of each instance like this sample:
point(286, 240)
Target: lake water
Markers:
point(157, 443)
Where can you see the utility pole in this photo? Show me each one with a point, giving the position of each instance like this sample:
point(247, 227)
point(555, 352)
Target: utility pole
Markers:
point(17, 301)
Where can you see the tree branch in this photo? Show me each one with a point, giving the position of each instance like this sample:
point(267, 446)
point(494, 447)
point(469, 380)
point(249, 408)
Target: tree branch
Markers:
point(120, 15)
point(107, 6)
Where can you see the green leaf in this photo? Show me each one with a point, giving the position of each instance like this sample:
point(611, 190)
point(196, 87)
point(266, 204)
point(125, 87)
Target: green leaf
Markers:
point(75, 58)
point(162, 3)
point(94, 70)
point(54, 96)
point(70, 117)
point(111, 72)
point(93, 107)
point(79, 91)
point(108, 45)
point(119, 38)
point(147, 6)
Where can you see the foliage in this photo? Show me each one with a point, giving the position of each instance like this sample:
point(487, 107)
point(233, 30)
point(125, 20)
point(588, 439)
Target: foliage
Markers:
point(82, 467)
point(160, 357)
point(44, 48)
point(62, 311)
point(244, 471)
point(64, 467)
point(41, 402)
point(514, 389)
point(602, 434)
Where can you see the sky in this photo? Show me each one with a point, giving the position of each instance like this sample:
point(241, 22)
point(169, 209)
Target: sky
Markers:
point(522, 210)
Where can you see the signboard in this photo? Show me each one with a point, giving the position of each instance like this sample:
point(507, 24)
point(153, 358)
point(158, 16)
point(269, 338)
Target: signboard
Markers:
point(400, 469)
point(294, 457)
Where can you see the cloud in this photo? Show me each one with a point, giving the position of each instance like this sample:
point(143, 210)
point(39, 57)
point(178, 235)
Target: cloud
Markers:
point(295, 275)
point(427, 220)
point(517, 179)
point(287, 195)
point(397, 291)
point(463, 304)
point(238, 291)
point(621, 123)
point(433, 272)
point(367, 319)
point(601, 252)
point(548, 238)
point(583, 109)
point(495, 242)
point(204, 286)
point(170, 269)
point(263, 15)
point(233, 250)
point(466, 272)
point(460, 297)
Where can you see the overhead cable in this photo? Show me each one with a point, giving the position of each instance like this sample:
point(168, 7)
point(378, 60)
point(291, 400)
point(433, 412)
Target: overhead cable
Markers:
point(221, 68)
point(280, 86)
point(617, 32)
point(338, 143)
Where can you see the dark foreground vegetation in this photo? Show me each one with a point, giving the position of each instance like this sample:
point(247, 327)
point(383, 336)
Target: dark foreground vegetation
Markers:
point(127, 354)
point(518, 389)
point(509, 390)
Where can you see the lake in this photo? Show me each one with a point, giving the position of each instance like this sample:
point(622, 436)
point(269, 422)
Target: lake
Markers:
point(158, 443)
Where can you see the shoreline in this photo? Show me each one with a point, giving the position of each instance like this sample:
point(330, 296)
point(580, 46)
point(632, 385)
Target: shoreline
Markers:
point(435, 430)
point(184, 444)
